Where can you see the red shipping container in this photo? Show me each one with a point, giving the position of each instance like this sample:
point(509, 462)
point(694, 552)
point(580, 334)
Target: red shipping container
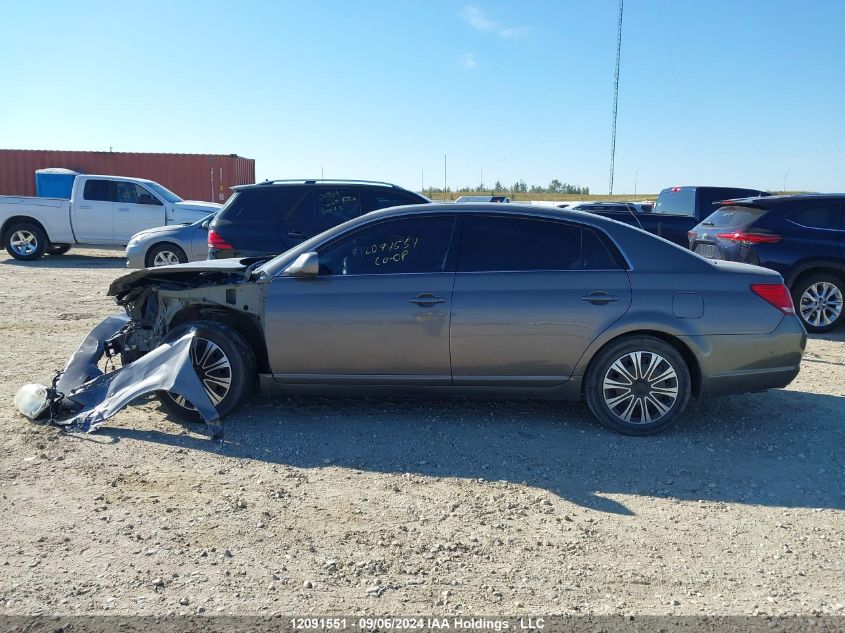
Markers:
point(207, 177)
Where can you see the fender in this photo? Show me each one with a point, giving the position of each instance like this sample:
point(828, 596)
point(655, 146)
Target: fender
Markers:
point(807, 265)
point(641, 321)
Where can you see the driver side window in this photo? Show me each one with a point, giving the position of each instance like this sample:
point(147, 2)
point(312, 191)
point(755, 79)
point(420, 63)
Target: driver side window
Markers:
point(406, 245)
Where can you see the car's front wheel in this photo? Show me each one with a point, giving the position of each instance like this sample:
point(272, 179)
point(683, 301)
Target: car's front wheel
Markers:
point(165, 255)
point(818, 301)
point(638, 385)
point(225, 365)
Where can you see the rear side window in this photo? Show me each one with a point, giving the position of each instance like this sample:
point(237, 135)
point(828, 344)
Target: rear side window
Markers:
point(817, 215)
point(734, 216)
point(335, 206)
point(502, 243)
point(406, 245)
point(100, 190)
point(375, 199)
point(676, 201)
point(270, 203)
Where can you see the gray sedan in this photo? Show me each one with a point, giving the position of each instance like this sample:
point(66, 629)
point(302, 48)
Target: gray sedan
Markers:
point(477, 299)
point(166, 245)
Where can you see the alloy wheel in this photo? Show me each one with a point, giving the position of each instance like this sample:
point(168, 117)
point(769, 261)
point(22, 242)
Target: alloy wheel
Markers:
point(165, 258)
point(821, 304)
point(214, 371)
point(640, 387)
point(23, 242)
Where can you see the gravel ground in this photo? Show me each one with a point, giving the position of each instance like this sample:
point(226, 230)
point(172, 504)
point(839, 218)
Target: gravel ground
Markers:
point(399, 506)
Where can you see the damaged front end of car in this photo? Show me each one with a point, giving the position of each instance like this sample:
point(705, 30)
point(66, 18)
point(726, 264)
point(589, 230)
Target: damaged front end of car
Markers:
point(154, 358)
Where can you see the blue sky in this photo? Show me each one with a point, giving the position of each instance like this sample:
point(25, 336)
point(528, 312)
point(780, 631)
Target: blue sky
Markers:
point(742, 92)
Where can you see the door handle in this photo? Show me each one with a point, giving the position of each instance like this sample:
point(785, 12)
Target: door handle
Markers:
point(599, 297)
point(122, 209)
point(427, 299)
point(84, 206)
point(296, 234)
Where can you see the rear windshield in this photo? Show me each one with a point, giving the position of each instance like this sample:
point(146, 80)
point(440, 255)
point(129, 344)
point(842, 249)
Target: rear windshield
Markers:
point(733, 216)
point(678, 201)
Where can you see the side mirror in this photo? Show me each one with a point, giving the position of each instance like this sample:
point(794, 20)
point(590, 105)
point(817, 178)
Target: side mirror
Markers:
point(206, 224)
point(306, 265)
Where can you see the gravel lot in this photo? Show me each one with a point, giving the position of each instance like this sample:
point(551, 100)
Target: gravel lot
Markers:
point(398, 506)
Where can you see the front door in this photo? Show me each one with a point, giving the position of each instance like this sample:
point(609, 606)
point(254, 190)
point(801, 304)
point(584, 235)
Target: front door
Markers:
point(93, 215)
point(136, 209)
point(378, 312)
point(530, 296)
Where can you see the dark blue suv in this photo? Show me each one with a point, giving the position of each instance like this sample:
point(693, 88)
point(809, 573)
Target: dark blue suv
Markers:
point(801, 236)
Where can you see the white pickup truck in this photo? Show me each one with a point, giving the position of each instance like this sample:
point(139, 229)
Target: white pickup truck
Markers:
point(102, 211)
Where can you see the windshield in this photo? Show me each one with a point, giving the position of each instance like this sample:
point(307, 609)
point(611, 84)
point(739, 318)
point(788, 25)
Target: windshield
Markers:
point(207, 218)
point(163, 192)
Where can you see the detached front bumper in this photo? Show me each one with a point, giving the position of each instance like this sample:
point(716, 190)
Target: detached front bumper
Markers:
point(739, 363)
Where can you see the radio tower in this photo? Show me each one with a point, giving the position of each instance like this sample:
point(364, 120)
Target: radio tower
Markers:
point(615, 98)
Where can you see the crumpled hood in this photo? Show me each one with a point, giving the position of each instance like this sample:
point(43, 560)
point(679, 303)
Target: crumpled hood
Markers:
point(191, 273)
point(198, 205)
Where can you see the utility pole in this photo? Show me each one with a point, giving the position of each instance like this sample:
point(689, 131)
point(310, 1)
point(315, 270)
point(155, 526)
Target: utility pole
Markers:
point(785, 176)
point(615, 98)
point(445, 180)
point(482, 177)
point(422, 180)
point(636, 175)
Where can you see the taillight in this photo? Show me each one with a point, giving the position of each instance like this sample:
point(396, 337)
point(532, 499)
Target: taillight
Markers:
point(777, 295)
point(215, 240)
point(749, 238)
point(691, 235)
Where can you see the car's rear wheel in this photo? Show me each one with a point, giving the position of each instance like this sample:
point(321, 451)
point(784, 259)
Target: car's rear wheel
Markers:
point(58, 249)
point(25, 241)
point(165, 255)
point(818, 301)
point(225, 365)
point(638, 385)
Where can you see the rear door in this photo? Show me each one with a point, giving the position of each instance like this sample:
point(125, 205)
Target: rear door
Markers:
point(93, 214)
point(812, 234)
point(136, 209)
point(530, 295)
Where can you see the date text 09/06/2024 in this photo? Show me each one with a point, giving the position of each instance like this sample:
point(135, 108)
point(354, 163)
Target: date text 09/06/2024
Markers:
point(416, 623)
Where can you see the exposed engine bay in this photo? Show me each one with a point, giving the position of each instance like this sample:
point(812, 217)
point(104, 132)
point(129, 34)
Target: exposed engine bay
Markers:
point(152, 357)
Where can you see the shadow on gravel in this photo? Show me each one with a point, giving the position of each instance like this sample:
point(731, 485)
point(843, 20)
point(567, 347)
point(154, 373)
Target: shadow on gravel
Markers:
point(71, 260)
point(781, 448)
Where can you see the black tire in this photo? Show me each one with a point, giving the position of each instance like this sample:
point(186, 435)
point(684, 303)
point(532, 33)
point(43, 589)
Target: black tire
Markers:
point(242, 369)
point(58, 249)
point(25, 241)
point(813, 312)
point(162, 250)
point(610, 405)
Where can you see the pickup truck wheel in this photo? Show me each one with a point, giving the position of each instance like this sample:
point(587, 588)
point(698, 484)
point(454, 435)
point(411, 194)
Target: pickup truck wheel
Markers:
point(224, 363)
point(25, 241)
point(58, 249)
point(165, 255)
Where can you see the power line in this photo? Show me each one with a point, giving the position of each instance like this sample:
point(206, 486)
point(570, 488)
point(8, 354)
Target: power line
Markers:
point(615, 99)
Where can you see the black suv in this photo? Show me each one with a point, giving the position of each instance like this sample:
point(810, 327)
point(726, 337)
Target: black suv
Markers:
point(273, 216)
point(800, 236)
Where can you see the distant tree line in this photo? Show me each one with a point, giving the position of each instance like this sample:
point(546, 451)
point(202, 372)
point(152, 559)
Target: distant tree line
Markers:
point(555, 186)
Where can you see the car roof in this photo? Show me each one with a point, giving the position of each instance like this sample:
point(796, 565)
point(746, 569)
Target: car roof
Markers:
point(318, 181)
point(772, 200)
